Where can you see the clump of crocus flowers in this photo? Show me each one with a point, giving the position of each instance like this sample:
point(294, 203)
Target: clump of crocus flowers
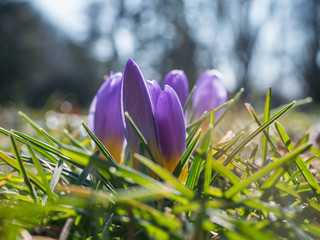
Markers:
point(156, 111)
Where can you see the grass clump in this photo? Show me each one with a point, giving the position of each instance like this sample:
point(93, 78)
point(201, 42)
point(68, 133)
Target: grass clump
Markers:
point(254, 184)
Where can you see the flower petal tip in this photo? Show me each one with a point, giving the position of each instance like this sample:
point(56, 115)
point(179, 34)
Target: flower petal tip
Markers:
point(210, 92)
point(178, 80)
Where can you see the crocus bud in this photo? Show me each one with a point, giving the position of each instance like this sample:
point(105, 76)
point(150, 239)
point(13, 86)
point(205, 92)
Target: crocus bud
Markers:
point(177, 79)
point(136, 100)
point(105, 117)
point(158, 116)
point(210, 93)
point(154, 90)
point(171, 129)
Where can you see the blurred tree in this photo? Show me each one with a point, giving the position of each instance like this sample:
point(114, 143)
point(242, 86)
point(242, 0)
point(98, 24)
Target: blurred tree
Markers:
point(159, 33)
point(308, 12)
point(244, 34)
point(162, 35)
point(35, 60)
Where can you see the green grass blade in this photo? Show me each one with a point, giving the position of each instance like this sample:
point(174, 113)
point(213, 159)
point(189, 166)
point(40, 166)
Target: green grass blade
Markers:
point(312, 229)
point(159, 217)
point(207, 174)
point(143, 140)
point(316, 151)
point(41, 150)
point(253, 154)
point(239, 166)
point(208, 168)
point(198, 122)
point(40, 172)
point(4, 131)
point(236, 159)
point(189, 99)
point(45, 154)
point(52, 139)
point(84, 159)
point(85, 172)
point(197, 126)
point(186, 155)
point(78, 157)
point(224, 149)
point(23, 170)
point(272, 180)
point(37, 142)
point(195, 168)
point(256, 132)
point(206, 115)
point(212, 117)
point(206, 140)
point(162, 173)
point(192, 134)
point(235, 99)
point(284, 137)
point(294, 174)
point(220, 151)
point(304, 139)
point(34, 125)
point(266, 170)
point(290, 191)
point(301, 164)
point(265, 133)
point(194, 173)
point(56, 175)
point(99, 144)
point(14, 164)
point(225, 172)
point(7, 133)
point(297, 104)
point(74, 141)
point(266, 117)
point(40, 130)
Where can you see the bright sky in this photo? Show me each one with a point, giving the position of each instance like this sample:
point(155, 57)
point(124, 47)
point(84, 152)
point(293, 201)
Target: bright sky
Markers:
point(70, 17)
point(67, 15)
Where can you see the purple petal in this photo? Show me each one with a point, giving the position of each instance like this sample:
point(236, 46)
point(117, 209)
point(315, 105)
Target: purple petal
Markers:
point(210, 93)
point(170, 128)
point(92, 111)
point(207, 73)
point(105, 116)
point(137, 102)
point(154, 90)
point(177, 79)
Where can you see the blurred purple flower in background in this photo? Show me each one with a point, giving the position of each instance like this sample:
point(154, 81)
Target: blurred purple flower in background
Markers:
point(105, 116)
point(210, 93)
point(178, 80)
point(162, 123)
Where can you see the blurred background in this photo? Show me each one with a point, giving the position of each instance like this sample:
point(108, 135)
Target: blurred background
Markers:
point(60, 50)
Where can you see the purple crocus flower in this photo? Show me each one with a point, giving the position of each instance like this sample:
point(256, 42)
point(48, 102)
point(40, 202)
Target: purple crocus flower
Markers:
point(105, 118)
point(136, 100)
point(171, 128)
point(159, 117)
point(177, 79)
point(208, 72)
point(210, 93)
